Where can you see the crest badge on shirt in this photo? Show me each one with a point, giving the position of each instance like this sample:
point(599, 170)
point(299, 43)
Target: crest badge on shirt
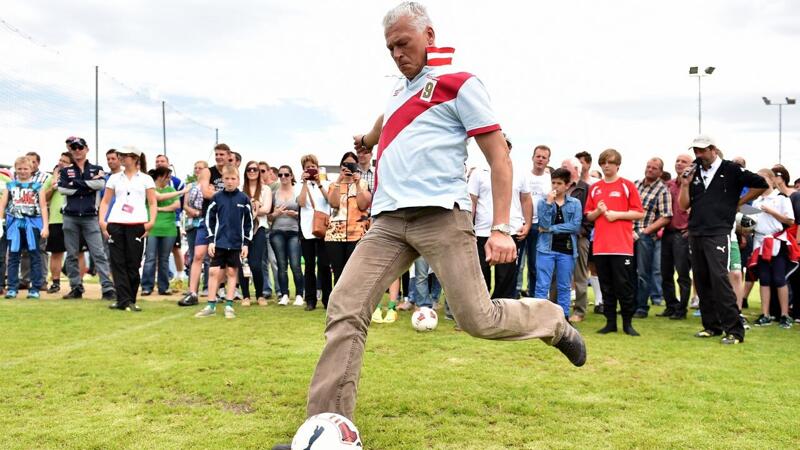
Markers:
point(427, 91)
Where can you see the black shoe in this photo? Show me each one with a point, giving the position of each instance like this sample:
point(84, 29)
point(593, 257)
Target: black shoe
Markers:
point(706, 333)
point(282, 447)
point(133, 307)
point(74, 294)
point(188, 300)
point(167, 292)
point(629, 330)
point(146, 293)
point(730, 340)
point(598, 309)
point(640, 314)
point(114, 305)
point(611, 327)
point(572, 346)
point(55, 287)
point(678, 316)
point(310, 308)
point(109, 295)
point(666, 313)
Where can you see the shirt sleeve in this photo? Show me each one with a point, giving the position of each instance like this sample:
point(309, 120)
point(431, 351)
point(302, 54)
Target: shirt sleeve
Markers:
point(634, 200)
point(474, 108)
point(786, 206)
point(523, 184)
point(112, 182)
point(589, 201)
point(665, 203)
point(474, 185)
point(148, 182)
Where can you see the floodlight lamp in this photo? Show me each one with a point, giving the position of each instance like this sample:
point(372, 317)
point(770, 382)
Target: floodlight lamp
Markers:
point(710, 70)
point(693, 70)
point(791, 101)
point(766, 101)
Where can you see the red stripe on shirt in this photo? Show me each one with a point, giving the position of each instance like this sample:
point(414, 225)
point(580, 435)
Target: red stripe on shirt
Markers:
point(483, 130)
point(433, 62)
point(446, 89)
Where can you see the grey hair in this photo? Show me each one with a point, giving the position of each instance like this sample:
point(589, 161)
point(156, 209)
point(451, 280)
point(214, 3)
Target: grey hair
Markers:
point(575, 163)
point(413, 10)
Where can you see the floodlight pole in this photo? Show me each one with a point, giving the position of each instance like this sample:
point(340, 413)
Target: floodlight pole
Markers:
point(694, 71)
point(96, 114)
point(164, 125)
point(789, 101)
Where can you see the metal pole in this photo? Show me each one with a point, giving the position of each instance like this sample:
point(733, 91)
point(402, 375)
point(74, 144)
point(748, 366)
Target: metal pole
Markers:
point(780, 130)
point(699, 108)
point(96, 114)
point(164, 126)
point(216, 136)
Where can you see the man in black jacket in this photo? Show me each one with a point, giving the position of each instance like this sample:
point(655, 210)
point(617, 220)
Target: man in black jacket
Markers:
point(712, 188)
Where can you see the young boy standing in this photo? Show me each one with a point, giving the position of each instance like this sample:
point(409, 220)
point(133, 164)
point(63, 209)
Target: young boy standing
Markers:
point(560, 219)
point(27, 224)
point(229, 221)
point(613, 204)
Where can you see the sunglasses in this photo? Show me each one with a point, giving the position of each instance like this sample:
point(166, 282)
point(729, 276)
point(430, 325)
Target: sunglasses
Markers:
point(76, 146)
point(263, 170)
point(284, 175)
point(252, 169)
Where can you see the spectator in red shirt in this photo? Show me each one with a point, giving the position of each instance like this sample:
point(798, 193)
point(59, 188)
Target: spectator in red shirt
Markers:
point(675, 249)
point(613, 204)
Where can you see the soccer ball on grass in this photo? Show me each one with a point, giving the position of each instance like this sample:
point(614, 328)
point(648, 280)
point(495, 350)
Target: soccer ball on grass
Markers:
point(424, 319)
point(327, 431)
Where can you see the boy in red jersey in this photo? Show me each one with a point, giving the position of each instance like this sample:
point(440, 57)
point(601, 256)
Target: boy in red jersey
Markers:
point(613, 204)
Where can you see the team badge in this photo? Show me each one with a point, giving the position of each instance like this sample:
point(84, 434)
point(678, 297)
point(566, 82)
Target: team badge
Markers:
point(427, 91)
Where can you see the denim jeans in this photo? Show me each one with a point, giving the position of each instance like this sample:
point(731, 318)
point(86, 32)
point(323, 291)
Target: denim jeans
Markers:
point(156, 254)
point(74, 227)
point(656, 290)
point(14, 260)
point(286, 245)
point(255, 253)
point(563, 265)
point(532, 239)
point(425, 296)
point(190, 240)
point(645, 256)
point(522, 256)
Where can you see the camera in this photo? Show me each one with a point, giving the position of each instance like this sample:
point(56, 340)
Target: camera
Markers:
point(312, 172)
point(352, 167)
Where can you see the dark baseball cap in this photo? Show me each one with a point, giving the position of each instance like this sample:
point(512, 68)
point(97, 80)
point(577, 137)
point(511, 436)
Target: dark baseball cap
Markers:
point(72, 140)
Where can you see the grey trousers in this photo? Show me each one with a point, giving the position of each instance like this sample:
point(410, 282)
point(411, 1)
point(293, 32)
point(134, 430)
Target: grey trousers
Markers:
point(445, 238)
point(89, 228)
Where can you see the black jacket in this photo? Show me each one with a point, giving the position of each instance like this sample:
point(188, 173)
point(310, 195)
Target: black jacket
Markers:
point(713, 210)
point(229, 220)
point(81, 189)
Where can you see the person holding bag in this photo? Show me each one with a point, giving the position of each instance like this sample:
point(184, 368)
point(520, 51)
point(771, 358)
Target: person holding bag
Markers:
point(314, 219)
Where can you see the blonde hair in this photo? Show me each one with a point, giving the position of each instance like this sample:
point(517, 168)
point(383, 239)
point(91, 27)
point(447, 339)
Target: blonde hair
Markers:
point(611, 156)
point(203, 163)
point(308, 158)
point(23, 160)
point(230, 169)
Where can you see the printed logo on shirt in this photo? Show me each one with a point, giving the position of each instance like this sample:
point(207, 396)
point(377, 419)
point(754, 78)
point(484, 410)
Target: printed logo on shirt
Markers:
point(627, 261)
point(615, 194)
point(427, 91)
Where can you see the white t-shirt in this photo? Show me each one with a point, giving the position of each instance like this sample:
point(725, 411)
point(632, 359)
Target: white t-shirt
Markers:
point(480, 185)
point(307, 212)
point(540, 185)
point(768, 225)
point(130, 198)
point(423, 144)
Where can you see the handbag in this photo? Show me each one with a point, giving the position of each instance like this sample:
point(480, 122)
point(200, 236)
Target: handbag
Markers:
point(319, 225)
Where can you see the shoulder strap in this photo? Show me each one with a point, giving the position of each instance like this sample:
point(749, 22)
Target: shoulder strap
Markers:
point(311, 197)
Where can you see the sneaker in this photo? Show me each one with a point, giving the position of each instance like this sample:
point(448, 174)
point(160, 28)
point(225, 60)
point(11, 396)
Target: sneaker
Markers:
point(640, 314)
point(745, 322)
point(391, 316)
point(206, 312)
point(377, 316)
point(706, 334)
point(55, 287)
point(188, 300)
point(572, 346)
point(167, 292)
point(204, 292)
point(262, 302)
point(11, 293)
point(146, 293)
point(229, 313)
point(109, 295)
point(245, 302)
point(113, 305)
point(785, 322)
point(695, 303)
point(730, 340)
point(763, 321)
point(284, 301)
point(238, 294)
point(298, 301)
point(74, 294)
point(405, 306)
point(598, 309)
point(133, 307)
point(33, 294)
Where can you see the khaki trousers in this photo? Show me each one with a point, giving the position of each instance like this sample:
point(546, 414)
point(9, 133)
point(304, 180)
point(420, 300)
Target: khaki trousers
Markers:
point(445, 238)
point(580, 277)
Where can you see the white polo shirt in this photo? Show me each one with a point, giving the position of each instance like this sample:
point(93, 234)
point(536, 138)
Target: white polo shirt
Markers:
point(423, 144)
point(130, 198)
point(480, 185)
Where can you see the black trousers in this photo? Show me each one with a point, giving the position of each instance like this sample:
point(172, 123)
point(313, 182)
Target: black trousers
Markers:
point(710, 256)
point(794, 299)
point(338, 254)
point(505, 275)
point(125, 246)
point(675, 258)
point(616, 274)
point(316, 258)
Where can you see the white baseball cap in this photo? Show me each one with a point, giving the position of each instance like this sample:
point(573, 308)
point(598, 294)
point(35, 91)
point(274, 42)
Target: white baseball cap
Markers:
point(702, 141)
point(130, 150)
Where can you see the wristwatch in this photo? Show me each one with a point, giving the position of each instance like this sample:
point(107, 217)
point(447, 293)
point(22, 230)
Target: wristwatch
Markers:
point(503, 228)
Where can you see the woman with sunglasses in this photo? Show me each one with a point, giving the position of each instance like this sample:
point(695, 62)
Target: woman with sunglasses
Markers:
point(284, 236)
point(349, 198)
point(260, 196)
point(193, 212)
point(312, 197)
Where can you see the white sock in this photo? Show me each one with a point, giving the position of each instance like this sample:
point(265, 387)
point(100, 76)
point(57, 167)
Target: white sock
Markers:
point(598, 294)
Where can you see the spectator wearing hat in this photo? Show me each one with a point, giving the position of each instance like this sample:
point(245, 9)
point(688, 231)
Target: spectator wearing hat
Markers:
point(711, 189)
point(80, 183)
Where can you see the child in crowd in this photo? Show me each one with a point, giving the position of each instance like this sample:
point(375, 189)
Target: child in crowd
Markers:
point(27, 224)
point(559, 223)
point(771, 245)
point(229, 222)
point(613, 203)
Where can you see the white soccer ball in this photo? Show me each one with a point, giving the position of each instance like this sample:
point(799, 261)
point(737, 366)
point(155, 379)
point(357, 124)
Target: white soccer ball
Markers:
point(424, 319)
point(327, 431)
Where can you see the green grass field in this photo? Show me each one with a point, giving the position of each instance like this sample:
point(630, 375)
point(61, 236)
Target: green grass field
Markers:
point(76, 375)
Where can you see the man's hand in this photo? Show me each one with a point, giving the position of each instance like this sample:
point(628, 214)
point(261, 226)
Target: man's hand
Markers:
point(103, 229)
point(357, 140)
point(45, 232)
point(612, 216)
point(601, 206)
point(551, 197)
point(212, 248)
point(500, 249)
point(522, 233)
point(244, 252)
point(147, 227)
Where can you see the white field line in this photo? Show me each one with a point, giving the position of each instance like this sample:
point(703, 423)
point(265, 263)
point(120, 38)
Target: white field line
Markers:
point(61, 349)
